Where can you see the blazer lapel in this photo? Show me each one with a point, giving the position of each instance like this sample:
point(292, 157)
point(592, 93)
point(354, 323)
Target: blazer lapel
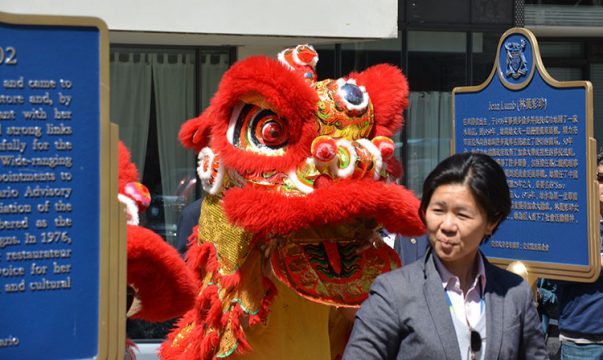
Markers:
point(494, 313)
point(438, 309)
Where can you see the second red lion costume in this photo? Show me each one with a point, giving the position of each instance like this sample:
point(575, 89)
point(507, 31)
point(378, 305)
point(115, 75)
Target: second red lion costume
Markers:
point(160, 284)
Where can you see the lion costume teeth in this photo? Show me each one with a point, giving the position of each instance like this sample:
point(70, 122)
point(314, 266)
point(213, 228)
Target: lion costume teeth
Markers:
point(299, 175)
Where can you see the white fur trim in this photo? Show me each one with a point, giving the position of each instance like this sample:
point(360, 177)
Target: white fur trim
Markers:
point(377, 159)
point(298, 61)
point(348, 105)
point(267, 151)
point(234, 116)
point(131, 209)
point(282, 60)
point(207, 157)
point(296, 58)
point(217, 186)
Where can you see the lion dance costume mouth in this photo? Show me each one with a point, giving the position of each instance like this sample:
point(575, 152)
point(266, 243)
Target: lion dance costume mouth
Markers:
point(299, 176)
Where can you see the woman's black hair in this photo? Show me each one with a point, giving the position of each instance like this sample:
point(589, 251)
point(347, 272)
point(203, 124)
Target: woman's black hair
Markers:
point(484, 177)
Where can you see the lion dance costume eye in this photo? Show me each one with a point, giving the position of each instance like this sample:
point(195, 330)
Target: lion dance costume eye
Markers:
point(300, 176)
point(258, 130)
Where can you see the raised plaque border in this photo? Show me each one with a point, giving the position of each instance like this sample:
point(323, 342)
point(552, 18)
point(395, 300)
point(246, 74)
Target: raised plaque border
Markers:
point(540, 269)
point(111, 340)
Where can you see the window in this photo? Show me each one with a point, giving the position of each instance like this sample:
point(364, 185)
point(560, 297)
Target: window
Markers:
point(484, 47)
point(153, 91)
point(455, 13)
point(436, 64)
point(565, 2)
point(327, 61)
point(437, 11)
point(492, 12)
point(361, 55)
point(564, 12)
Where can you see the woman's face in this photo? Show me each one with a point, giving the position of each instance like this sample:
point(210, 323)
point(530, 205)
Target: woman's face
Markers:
point(456, 224)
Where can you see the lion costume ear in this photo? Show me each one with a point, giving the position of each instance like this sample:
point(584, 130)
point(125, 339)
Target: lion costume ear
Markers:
point(194, 133)
point(388, 90)
point(164, 286)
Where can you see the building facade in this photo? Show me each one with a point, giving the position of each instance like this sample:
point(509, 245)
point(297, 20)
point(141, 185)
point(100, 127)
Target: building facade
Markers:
point(167, 59)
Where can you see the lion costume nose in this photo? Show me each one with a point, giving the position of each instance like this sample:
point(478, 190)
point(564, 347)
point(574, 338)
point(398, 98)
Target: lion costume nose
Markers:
point(342, 158)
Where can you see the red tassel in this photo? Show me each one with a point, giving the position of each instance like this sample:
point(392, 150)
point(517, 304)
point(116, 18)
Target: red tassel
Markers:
point(130, 347)
point(169, 352)
point(210, 307)
point(214, 315)
point(196, 259)
point(231, 281)
point(206, 299)
point(209, 346)
point(212, 265)
point(235, 316)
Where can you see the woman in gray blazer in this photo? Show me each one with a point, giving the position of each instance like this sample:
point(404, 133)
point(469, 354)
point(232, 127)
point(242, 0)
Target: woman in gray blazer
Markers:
point(452, 304)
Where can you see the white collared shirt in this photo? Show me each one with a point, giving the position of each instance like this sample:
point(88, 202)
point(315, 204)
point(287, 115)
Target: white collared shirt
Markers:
point(466, 307)
point(387, 237)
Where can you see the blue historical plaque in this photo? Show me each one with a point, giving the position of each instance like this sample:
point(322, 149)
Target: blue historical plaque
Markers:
point(540, 131)
point(50, 188)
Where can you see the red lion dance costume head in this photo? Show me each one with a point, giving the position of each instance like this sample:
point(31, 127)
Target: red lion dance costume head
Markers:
point(299, 176)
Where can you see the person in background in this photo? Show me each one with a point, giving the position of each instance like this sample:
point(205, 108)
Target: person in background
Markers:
point(411, 249)
point(452, 304)
point(581, 308)
point(188, 219)
point(546, 298)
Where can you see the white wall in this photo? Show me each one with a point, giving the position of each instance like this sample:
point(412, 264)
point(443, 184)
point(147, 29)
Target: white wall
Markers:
point(368, 19)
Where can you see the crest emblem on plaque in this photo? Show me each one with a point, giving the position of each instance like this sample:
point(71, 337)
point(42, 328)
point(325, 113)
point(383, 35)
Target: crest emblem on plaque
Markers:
point(517, 65)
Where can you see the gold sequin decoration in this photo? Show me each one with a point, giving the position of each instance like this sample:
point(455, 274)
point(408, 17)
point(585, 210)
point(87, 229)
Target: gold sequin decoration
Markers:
point(248, 295)
point(298, 263)
point(250, 291)
point(182, 335)
point(334, 120)
point(228, 341)
point(231, 242)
